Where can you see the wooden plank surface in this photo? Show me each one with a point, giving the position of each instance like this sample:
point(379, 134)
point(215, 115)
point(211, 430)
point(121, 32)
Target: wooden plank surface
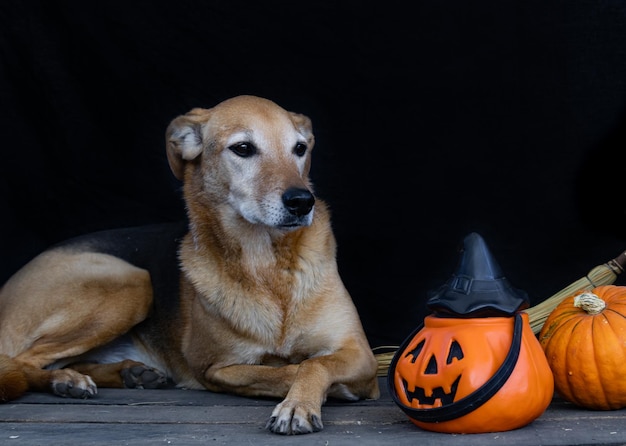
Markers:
point(149, 417)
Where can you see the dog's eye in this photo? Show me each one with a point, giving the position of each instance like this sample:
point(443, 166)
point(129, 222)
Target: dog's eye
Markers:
point(243, 149)
point(300, 149)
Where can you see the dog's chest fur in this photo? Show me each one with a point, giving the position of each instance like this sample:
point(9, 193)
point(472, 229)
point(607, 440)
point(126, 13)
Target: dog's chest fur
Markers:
point(260, 293)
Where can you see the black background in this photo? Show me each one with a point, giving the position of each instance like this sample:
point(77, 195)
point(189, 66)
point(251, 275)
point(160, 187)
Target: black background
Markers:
point(433, 119)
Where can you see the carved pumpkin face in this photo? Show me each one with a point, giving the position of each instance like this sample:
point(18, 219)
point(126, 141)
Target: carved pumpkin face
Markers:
point(442, 365)
point(435, 368)
point(443, 377)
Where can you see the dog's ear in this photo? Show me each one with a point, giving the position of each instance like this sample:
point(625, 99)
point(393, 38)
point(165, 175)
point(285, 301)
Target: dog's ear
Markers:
point(183, 139)
point(304, 125)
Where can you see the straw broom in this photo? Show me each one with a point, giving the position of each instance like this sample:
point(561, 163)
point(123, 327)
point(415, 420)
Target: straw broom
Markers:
point(604, 274)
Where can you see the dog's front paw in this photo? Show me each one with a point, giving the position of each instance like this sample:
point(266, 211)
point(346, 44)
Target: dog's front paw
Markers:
point(71, 384)
point(292, 417)
point(140, 376)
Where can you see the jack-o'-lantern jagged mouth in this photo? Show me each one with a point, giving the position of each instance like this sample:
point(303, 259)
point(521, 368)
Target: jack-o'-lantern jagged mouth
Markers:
point(438, 393)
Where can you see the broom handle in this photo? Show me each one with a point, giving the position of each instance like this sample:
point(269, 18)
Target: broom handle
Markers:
point(618, 264)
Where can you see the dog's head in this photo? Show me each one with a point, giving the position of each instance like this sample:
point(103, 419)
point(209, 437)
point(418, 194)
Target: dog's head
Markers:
point(247, 158)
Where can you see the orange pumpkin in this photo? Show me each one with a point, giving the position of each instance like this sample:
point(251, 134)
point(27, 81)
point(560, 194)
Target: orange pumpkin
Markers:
point(474, 375)
point(584, 339)
point(475, 365)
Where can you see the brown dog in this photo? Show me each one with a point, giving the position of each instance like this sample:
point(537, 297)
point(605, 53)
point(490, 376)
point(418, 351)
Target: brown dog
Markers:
point(247, 300)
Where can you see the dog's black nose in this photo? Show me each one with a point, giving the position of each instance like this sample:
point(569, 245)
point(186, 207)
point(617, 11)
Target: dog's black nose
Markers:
point(298, 201)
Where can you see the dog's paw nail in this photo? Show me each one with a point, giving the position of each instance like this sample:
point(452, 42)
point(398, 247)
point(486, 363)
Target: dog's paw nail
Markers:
point(317, 423)
point(270, 423)
point(91, 391)
point(283, 427)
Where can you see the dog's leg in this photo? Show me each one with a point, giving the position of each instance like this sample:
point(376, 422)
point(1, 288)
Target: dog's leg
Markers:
point(125, 374)
point(13, 382)
point(304, 387)
point(62, 382)
point(63, 304)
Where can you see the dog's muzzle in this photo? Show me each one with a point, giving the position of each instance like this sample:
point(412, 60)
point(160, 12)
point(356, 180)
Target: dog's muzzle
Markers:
point(298, 202)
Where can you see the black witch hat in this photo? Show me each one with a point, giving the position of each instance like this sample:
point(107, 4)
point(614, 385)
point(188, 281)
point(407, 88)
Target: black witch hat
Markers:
point(477, 288)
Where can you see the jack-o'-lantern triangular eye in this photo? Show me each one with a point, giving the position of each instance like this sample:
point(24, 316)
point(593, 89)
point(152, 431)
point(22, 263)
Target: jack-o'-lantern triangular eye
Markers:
point(455, 352)
point(431, 367)
point(416, 351)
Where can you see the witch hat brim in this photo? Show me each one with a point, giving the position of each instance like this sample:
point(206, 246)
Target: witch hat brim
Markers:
point(477, 288)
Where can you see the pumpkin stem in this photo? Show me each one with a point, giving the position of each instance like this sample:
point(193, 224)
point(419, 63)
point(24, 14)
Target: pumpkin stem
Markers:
point(589, 302)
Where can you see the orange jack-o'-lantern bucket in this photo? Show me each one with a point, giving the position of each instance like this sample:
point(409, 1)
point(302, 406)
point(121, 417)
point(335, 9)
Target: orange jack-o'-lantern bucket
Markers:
point(475, 365)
